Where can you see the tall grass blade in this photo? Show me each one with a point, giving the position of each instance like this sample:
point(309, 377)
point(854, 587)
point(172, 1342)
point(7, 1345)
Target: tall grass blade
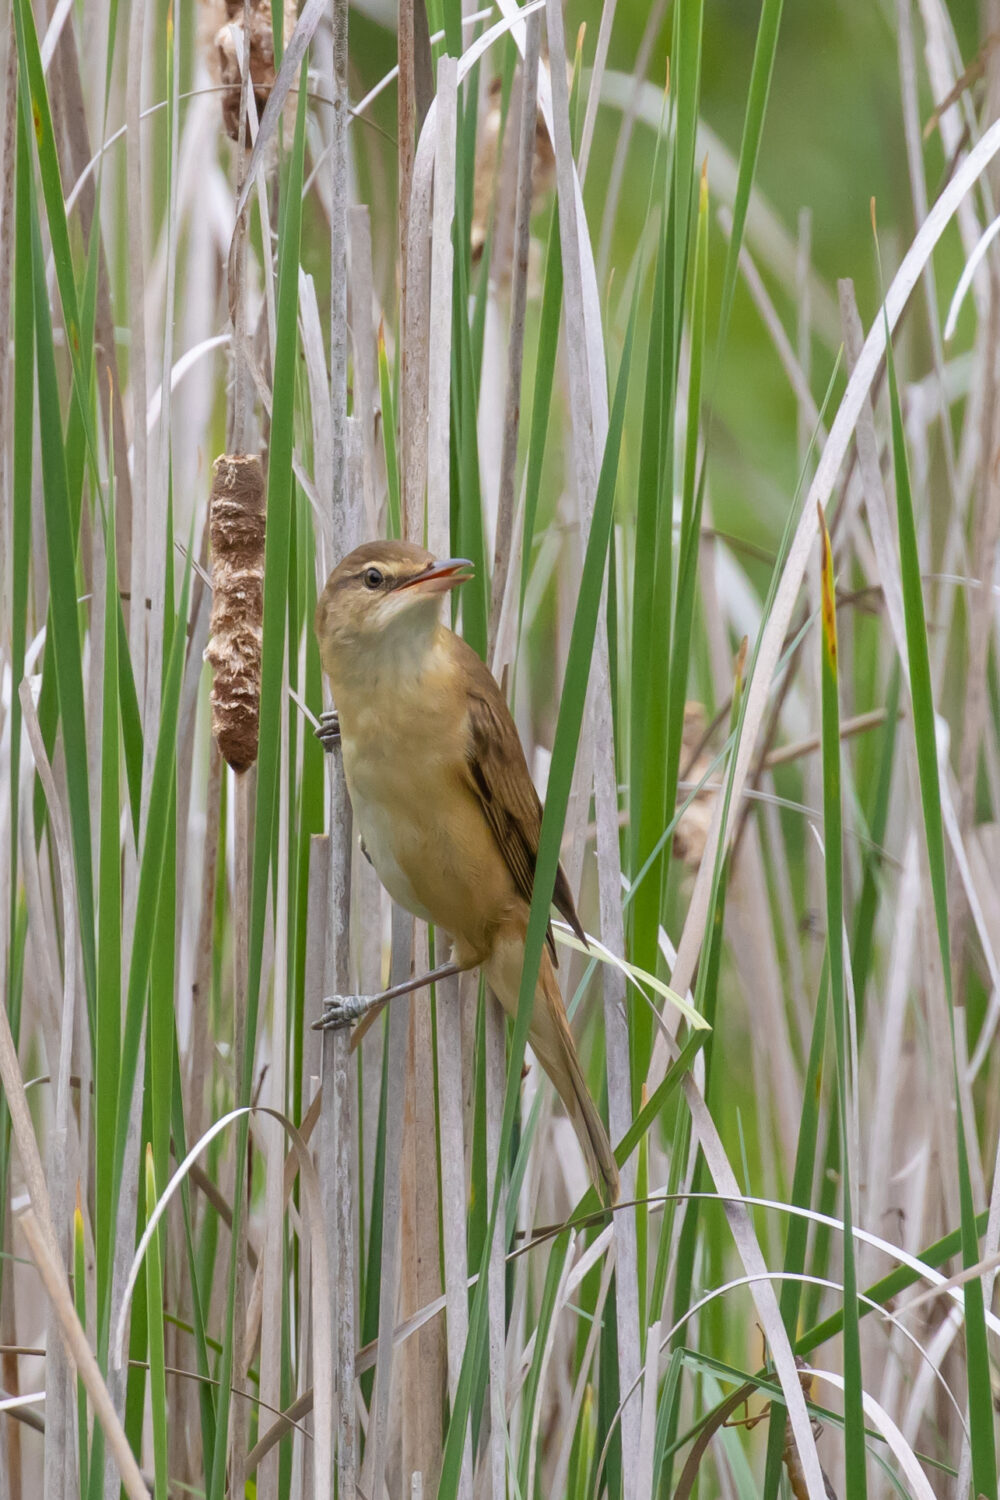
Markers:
point(984, 1468)
point(833, 855)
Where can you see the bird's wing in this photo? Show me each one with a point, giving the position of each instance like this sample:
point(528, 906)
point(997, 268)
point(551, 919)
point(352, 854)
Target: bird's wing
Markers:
point(499, 776)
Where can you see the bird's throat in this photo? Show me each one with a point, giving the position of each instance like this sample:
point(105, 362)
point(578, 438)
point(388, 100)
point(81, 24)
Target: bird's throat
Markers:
point(383, 684)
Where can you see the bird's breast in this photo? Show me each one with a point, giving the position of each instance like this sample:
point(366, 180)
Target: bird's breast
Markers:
point(421, 824)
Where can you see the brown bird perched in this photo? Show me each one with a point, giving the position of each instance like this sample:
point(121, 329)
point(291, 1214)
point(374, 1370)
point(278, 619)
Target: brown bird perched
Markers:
point(442, 796)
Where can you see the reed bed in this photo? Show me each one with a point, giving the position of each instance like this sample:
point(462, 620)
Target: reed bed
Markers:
point(274, 282)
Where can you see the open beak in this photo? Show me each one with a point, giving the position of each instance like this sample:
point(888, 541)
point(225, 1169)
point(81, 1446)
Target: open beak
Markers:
point(441, 576)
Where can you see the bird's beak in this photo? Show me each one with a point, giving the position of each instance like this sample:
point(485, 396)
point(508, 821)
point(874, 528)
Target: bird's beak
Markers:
point(441, 576)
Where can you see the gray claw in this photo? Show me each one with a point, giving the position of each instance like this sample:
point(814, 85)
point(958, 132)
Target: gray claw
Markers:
point(340, 1011)
point(328, 732)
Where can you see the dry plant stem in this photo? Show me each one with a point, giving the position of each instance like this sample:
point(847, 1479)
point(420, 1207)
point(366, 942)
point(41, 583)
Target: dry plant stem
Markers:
point(24, 1132)
point(545, 1361)
point(423, 68)
point(424, 1363)
point(7, 160)
point(405, 108)
point(319, 884)
point(137, 370)
point(335, 1132)
point(158, 541)
point(918, 190)
point(342, 503)
point(201, 990)
point(860, 724)
point(426, 418)
point(596, 75)
point(515, 352)
point(416, 337)
point(124, 1241)
point(590, 420)
point(496, 1082)
point(449, 1053)
point(366, 395)
point(338, 252)
point(647, 1425)
point(272, 1260)
point(651, 32)
point(376, 1449)
point(53, 1276)
point(570, 1427)
point(810, 422)
point(241, 405)
point(439, 348)
point(804, 330)
point(60, 1452)
point(761, 1287)
point(244, 787)
point(981, 619)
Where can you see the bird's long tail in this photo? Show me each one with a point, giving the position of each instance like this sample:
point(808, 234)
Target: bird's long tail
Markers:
point(553, 1045)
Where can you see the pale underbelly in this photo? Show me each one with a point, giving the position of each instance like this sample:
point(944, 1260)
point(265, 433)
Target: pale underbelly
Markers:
point(379, 831)
point(433, 851)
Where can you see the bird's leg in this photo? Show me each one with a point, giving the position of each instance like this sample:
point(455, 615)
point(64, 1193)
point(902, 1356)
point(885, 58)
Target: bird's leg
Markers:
point(344, 1010)
point(328, 732)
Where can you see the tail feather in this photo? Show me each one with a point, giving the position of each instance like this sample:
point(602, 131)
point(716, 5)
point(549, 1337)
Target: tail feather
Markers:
point(553, 1045)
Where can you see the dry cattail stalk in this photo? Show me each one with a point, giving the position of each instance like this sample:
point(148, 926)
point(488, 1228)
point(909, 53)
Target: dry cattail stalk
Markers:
point(691, 833)
point(237, 523)
point(228, 44)
point(485, 181)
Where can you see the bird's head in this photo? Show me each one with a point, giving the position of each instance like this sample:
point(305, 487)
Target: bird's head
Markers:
point(382, 596)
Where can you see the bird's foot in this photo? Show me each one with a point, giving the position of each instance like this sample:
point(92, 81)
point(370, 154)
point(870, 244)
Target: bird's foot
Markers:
point(328, 732)
point(343, 1010)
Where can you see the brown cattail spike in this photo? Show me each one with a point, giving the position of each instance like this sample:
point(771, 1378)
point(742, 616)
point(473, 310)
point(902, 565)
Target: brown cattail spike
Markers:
point(237, 522)
point(229, 43)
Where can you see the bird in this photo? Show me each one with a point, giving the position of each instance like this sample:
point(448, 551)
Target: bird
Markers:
point(442, 797)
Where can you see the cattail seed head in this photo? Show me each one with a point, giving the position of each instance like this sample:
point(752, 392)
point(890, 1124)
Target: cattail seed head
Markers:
point(230, 43)
point(237, 526)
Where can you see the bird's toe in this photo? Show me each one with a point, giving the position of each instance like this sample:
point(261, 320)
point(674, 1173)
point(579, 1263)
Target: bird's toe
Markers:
point(328, 732)
point(340, 1011)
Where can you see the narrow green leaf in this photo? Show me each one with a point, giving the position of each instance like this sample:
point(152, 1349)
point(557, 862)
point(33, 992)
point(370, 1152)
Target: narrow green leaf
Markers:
point(833, 856)
point(150, 874)
point(753, 129)
point(64, 616)
point(157, 1350)
point(803, 1176)
point(389, 437)
point(984, 1468)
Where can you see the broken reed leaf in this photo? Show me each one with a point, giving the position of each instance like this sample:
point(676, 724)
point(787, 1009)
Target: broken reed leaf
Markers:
point(237, 521)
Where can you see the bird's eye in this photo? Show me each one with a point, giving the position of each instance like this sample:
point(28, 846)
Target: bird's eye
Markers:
point(372, 578)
